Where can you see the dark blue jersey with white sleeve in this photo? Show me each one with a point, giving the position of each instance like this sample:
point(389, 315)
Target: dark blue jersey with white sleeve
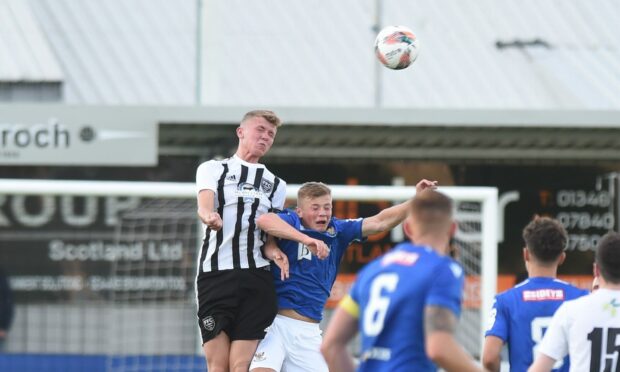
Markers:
point(391, 293)
point(521, 315)
point(311, 279)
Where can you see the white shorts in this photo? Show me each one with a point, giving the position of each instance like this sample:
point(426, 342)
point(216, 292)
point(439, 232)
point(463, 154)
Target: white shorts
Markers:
point(290, 345)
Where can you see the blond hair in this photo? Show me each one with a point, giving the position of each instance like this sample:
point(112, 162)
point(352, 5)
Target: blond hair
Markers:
point(268, 115)
point(313, 190)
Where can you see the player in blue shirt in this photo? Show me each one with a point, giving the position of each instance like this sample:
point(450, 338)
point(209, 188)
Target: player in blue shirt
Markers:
point(406, 303)
point(293, 341)
point(521, 315)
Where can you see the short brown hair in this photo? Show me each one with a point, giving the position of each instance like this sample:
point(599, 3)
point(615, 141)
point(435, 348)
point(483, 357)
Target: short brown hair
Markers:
point(431, 210)
point(608, 257)
point(545, 238)
point(312, 190)
point(268, 115)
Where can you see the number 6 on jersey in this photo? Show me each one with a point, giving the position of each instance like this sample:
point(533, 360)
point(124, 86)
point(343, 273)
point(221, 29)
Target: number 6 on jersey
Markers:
point(374, 314)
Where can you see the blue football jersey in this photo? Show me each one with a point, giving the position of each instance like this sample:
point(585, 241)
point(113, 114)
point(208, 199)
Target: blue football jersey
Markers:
point(391, 293)
point(521, 315)
point(310, 280)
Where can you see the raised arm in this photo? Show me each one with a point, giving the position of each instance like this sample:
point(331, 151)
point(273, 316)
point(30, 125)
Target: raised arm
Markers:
point(390, 217)
point(275, 226)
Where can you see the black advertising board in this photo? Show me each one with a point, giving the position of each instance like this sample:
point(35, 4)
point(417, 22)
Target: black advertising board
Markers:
point(56, 248)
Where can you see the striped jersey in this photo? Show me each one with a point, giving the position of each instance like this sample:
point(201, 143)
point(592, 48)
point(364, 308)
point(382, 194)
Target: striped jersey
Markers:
point(521, 315)
point(243, 191)
point(587, 329)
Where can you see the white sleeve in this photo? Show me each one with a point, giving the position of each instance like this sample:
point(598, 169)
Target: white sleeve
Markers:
point(555, 341)
point(206, 176)
point(280, 196)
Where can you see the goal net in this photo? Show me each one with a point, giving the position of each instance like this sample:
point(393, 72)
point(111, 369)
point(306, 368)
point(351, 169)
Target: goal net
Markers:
point(153, 326)
point(139, 311)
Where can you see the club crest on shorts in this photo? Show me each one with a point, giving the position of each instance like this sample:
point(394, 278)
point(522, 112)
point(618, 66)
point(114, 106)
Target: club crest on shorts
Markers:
point(259, 357)
point(208, 323)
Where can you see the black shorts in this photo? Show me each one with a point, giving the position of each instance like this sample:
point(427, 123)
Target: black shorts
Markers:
point(240, 302)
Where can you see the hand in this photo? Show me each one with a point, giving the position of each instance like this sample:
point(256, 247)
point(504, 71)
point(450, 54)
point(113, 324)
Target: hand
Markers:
point(425, 184)
point(280, 259)
point(213, 221)
point(318, 248)
point(595, 284)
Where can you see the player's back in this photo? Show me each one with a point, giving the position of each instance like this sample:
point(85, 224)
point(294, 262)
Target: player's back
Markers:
point(523, 315)
point(590, 331)
point(392, 292)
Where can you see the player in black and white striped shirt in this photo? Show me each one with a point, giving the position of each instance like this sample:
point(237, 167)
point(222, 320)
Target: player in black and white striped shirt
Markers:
point(235, 291)
point(244, 190)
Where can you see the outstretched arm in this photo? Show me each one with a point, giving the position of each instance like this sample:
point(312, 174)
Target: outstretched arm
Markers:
point(388, 218)
point(275, 226)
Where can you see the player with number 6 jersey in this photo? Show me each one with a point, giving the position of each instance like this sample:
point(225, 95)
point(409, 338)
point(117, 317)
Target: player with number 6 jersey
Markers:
point(521, 315)
point(406, 303)
point(393, 292)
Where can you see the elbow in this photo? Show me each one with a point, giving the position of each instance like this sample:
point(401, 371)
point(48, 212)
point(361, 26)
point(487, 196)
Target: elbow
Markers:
point(333, 353)
point(324, 350)
point(381, 227)
point(490, 363)
point(327, 350)
point(439, 346)
point(434, 353)
point(376, 228)
point(263, 222)
point(437, 355)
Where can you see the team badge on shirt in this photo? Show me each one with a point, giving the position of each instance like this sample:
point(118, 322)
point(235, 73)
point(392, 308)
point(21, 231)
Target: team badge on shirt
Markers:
point(612, 306)
point(331, 231)
point(266, 185)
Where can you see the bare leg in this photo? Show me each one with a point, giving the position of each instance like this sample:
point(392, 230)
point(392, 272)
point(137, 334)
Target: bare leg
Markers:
point(217, 353)
point(241, 354)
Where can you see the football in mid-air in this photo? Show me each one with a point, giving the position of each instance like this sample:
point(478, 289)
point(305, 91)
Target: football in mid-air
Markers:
point(396, 47)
